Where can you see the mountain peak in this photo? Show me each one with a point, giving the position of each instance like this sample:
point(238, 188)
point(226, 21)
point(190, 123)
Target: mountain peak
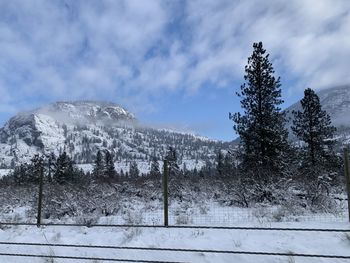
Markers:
point(84, 112)
point(100, 103)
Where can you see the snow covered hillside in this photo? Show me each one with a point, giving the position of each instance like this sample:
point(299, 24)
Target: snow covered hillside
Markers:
point(81, 128)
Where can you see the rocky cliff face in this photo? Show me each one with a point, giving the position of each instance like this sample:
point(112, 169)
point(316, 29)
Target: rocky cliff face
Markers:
point(81, 128)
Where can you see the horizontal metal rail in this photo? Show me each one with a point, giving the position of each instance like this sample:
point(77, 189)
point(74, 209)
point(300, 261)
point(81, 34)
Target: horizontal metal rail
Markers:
point(178, 250)
point(86, 258)
point(185, 227)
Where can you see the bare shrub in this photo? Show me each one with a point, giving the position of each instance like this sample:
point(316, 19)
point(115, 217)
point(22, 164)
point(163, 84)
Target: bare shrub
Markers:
point(133, 217)
point(183, 219)
point(87, 220)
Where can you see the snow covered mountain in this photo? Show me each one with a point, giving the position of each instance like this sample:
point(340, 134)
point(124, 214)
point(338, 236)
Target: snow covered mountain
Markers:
point(81, 128)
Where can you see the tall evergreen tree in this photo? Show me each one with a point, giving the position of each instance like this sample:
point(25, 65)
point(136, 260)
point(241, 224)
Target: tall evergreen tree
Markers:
point(98, 165)
point(37, 165)
point(109, 170)
point(134, 170)
point(229, 168)
point(155, 171)
point(19, 174)
point(261, 126)
point(220, 163)
point(64, 170)
point(51, 166)
point(121, 174)
point(313, 126)
point(171, 156)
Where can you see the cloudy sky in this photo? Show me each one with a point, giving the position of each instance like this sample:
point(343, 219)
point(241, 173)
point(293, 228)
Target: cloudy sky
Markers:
point(173, 63)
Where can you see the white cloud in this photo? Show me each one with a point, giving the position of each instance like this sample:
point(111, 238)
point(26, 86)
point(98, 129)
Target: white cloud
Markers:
point(124, 50)
point(309, 39)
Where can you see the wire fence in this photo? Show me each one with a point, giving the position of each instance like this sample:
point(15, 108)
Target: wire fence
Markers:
point(199, 202)
point(216, 215)
point(183, 227)
point(114, 208)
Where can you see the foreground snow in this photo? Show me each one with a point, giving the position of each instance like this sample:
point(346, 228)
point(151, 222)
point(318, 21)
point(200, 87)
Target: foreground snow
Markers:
point(264, 241)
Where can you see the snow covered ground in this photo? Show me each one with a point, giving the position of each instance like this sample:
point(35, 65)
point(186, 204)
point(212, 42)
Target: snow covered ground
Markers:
point(264, 241)
point(131, 203)
point(4, 172)
point(331, 243)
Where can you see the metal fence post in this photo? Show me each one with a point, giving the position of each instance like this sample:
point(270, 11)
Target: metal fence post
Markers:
point(165, 192)
point(347, 176)
point(41, 179)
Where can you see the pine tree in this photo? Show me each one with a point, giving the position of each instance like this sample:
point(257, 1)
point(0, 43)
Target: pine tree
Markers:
point(51, 160)
point(229, 168)
point(64, 170)
point(122, 175)
point(23, 174)
point(155, 171)
point(185, 171)
point(37, 164)
point(313, 126)
point(109, 170)
point(220, 163)
point(171, 156)
point(18, 174)
point(98, 165)
point(134, 170)
point(261, 126)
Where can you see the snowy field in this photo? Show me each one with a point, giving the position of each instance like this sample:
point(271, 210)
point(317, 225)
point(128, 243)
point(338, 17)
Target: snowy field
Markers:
point(232, 240)
point(211, 214)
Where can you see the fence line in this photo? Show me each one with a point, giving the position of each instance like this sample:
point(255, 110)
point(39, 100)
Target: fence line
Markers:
point(149, 208)
point(187, 227)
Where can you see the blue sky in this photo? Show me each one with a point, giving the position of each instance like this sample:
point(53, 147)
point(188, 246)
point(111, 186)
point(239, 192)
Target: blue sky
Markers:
point(173, 63)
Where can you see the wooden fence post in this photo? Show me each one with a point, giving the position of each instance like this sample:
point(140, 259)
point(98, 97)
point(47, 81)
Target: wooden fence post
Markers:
point(347, 175)
point(165, 192)
point(40, 200)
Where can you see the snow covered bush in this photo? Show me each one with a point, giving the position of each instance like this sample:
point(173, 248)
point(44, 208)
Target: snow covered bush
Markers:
point(86, 220)
point(133, 217)
point(183, 219)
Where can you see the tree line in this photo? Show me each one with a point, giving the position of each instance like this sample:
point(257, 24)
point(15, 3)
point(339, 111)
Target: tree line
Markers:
point(63, 170)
